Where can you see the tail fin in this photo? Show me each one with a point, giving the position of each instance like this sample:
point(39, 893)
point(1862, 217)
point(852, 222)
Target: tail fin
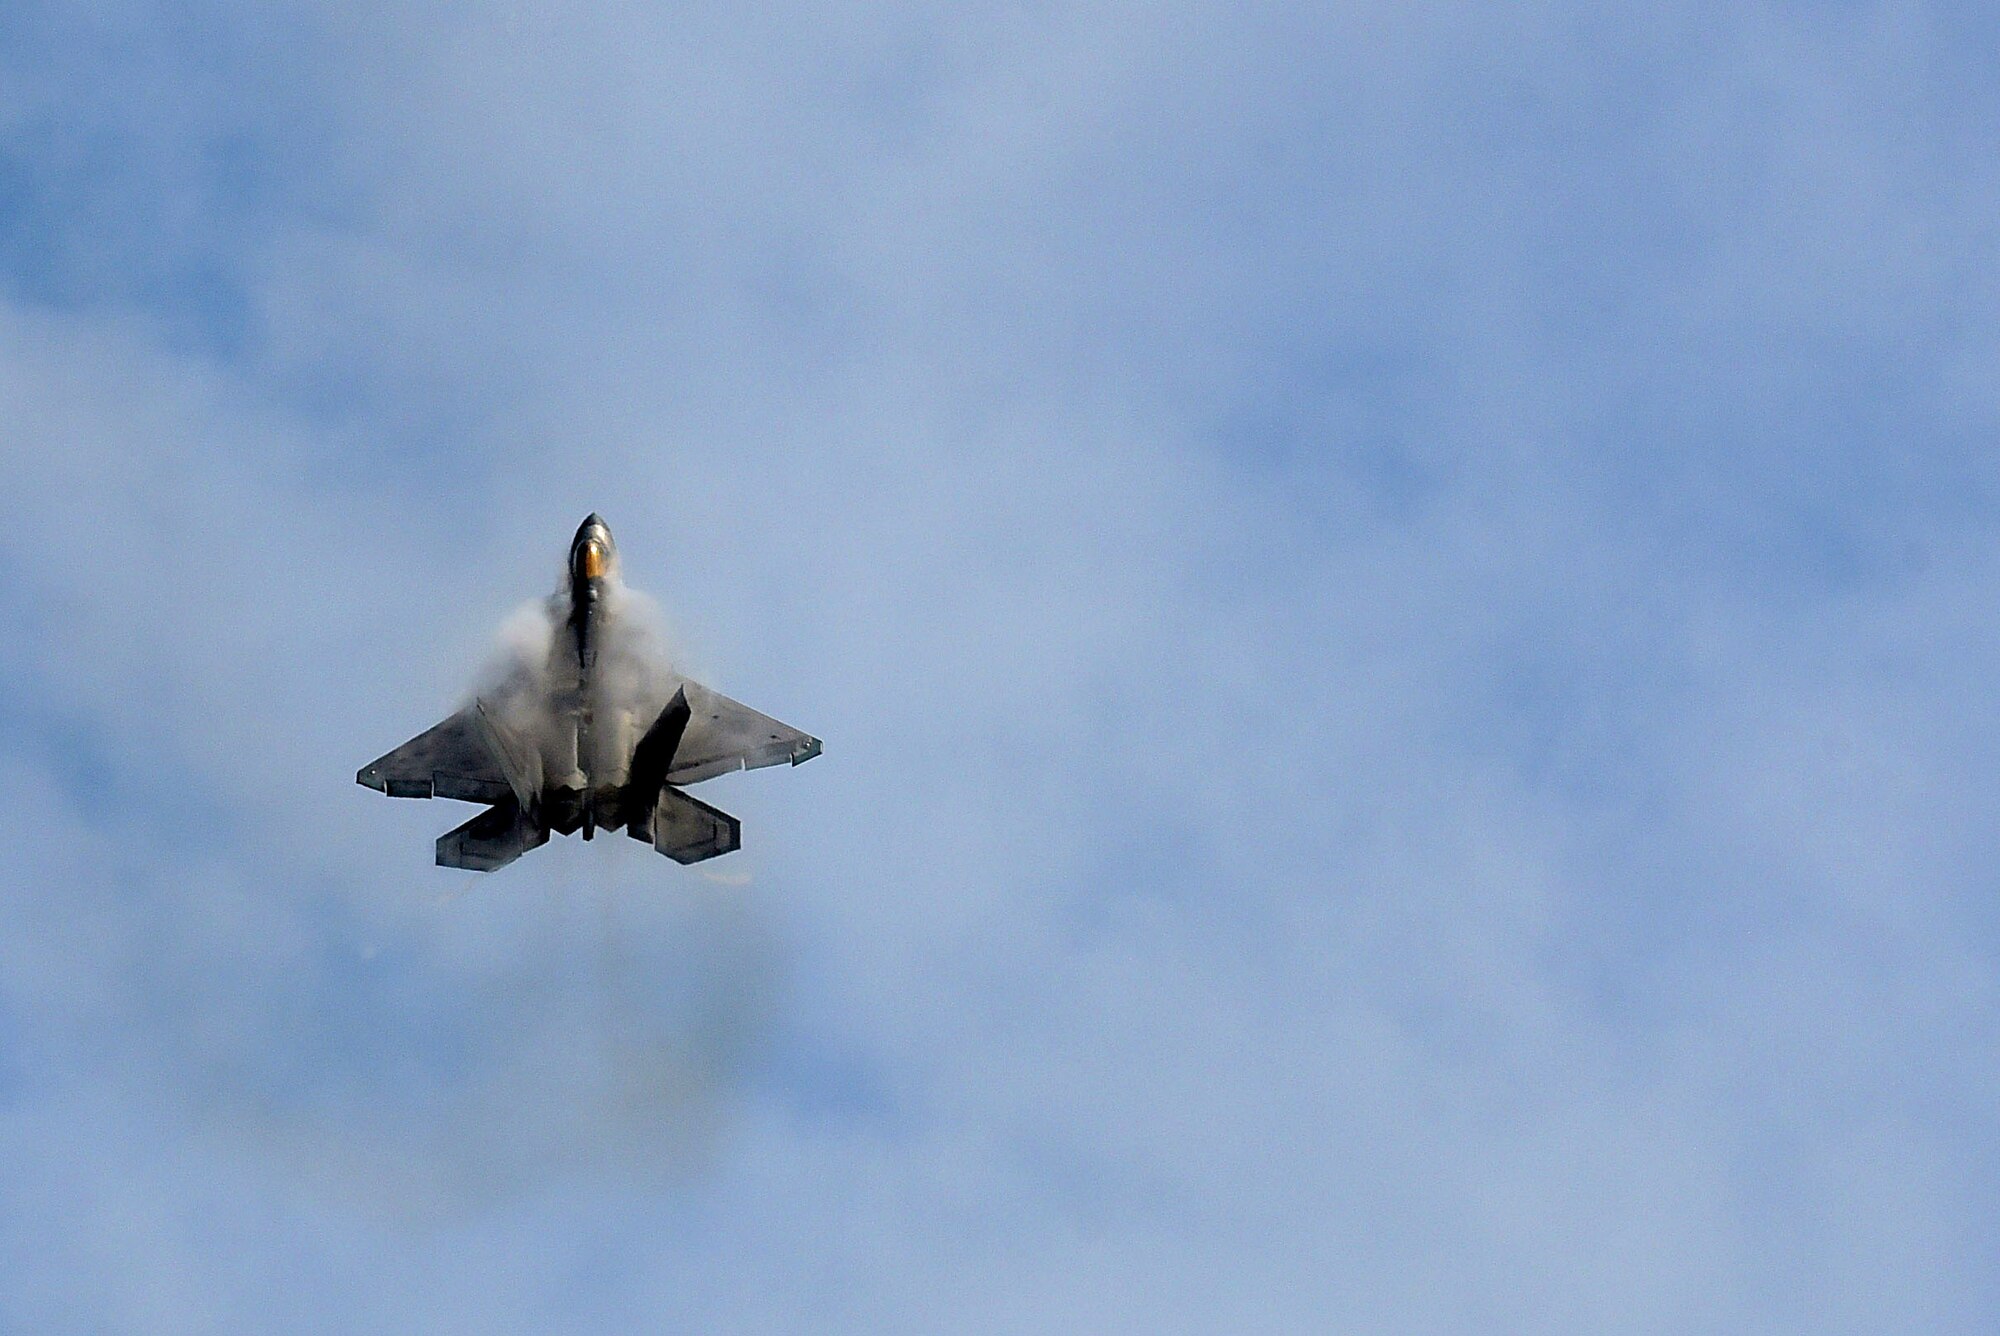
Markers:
point(654, 755)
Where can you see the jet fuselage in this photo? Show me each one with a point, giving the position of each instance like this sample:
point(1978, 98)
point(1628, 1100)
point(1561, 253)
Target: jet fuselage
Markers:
point(591, 556)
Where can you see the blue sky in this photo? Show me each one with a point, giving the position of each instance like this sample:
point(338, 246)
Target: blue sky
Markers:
point(1400, 601)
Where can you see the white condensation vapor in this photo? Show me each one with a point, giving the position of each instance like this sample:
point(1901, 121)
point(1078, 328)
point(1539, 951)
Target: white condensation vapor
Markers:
point(636, 670)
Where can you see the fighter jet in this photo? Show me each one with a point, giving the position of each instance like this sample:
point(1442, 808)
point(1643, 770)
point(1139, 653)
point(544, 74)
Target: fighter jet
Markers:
point(554, 747)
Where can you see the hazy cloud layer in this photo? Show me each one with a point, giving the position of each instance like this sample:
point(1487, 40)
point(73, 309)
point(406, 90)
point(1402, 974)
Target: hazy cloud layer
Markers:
point(1399, 605)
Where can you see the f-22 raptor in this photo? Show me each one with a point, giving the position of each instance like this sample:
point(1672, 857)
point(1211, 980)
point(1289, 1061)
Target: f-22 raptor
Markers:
point(554, 748)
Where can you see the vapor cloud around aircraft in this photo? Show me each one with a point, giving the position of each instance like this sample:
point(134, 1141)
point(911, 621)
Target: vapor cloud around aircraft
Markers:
point(592, 732)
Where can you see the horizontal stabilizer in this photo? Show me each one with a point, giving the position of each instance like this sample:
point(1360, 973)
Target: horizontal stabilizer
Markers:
point(686, 829)
point(491, 840)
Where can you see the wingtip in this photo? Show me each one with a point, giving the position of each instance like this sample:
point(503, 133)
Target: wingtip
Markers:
point(805, 751)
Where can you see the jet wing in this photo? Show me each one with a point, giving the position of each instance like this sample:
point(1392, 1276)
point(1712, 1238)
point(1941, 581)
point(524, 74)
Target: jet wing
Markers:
point(724, 735)
point(454, 759)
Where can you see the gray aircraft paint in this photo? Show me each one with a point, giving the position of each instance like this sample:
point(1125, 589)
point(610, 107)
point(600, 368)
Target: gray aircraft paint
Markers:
point(599, 734)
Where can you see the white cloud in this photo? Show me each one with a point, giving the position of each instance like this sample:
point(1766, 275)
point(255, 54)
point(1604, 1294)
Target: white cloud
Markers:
point(1404, 744)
